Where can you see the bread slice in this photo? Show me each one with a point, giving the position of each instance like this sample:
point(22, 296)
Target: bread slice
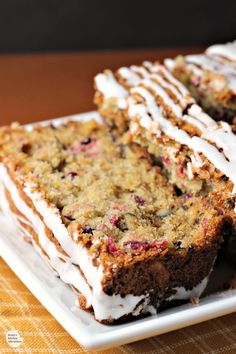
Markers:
point(211, 78)
point(103, 215)
point(195, 152)
point(161, 115)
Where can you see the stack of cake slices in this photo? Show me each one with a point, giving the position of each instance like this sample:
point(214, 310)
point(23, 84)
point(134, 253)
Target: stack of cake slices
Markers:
point(130, 213)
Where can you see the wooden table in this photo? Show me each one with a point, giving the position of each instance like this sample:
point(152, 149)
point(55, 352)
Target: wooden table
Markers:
point(41, 86)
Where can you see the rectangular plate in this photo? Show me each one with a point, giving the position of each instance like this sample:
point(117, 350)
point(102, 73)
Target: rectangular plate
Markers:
point(59, 299)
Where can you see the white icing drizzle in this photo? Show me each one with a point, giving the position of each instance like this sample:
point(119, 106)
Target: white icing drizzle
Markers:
point(190, 171)
point(169, 87)
point(159, 68)
point(196, 70)
point(169, 63)
point(160, 92)
point(141, 71)
point(129, 76)
point(219, 58)
point(107, 84)
point(197, 160)
point(193, 121)
point(183, 294)
point(209, 63)
point(227, 50)
point(221, 134)
point(134, 75)
point(213, 64)
point(196, 112)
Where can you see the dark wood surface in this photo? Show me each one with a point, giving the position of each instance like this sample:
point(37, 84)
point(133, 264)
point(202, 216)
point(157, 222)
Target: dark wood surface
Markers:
point(36, 87)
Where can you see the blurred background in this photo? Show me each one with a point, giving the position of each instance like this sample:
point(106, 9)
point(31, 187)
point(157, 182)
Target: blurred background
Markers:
point(50, 50)
point(46, 25)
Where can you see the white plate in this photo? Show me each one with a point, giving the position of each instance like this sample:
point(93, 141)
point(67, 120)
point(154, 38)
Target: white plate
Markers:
point(59, 299)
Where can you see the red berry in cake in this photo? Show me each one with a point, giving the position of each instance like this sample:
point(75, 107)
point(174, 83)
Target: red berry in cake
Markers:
point(160, 244)
point(140, 201)
point(72, 174)
point(113, 219)
point(112, 247)
point(182, 169)
point(87, 145)
point(144, 245)
point(165, 160)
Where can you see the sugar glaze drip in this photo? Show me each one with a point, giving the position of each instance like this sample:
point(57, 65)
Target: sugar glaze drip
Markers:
point(219, 58)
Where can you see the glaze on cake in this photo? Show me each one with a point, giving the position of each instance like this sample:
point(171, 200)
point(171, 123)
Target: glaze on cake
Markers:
point(211, 78)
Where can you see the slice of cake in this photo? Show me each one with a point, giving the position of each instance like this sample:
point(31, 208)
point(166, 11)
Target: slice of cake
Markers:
point(211, 78)
point(101, 213)
point(196, 152)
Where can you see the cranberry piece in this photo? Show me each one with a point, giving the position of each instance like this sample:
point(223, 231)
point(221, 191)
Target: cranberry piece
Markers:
point(165, 160)
point(144, 245)
point(182, 169)
point(137, 245)
point(140, 201)
point(86, 145)
point(113, 219)
point(112, 247)
point(160, 244)
point(72, 174)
